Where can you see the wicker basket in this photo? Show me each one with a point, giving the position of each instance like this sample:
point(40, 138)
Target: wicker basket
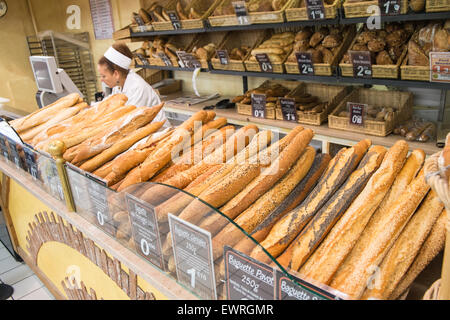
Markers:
point(170, 6)
point(437, 5)
point(326, 69)
point(235, 40)
point(360, 9)
point(181, 41)
point(401, 102)
point(254, 17)
point(388, 71)
point(295, 13)
point(418, 73)
point(246, 109)
point(203, 39)
point(331, 94)
point(205, 6)
point(254, 66)
point(145, 28)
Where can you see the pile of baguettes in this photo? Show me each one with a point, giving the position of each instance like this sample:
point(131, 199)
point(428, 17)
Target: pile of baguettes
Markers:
point(364, 222)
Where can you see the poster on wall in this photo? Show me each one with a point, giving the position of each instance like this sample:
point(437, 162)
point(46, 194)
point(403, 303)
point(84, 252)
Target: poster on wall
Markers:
point(102, 19)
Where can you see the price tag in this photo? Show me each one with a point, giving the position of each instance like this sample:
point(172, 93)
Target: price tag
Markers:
point(286, 289)
point(138, 19)
point(356, 112)
point(188, 60)
point(288, 109)
point(315, 9)
point(78, 186)
point(15, 154)
point(259, 105)
point(145, 230)
point(174, 19)
point(99, 204)
point(440, 67)
point(143, 59)
point(390, 7)
point(305, 64)
point(264, 62)
point(193, 257)
point(223, 56)
point(246, 278)
point(31, 161)
point(165, 59)
point(3, 147)
point(362, 64)
point(241, 12)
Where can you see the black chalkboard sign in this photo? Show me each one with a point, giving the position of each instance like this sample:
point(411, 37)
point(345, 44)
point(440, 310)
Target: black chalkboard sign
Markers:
point(390, 7)
point(223, 56)
point(315, 9)
point(305, 64)
point(174, 19)
point(288, 109)
point(31, 161)
point(264, 62)
point(362, 64)
point(259, 105)
point(356, 112)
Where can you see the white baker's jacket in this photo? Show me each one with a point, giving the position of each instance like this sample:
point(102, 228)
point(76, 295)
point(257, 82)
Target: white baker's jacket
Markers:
point(140, 94)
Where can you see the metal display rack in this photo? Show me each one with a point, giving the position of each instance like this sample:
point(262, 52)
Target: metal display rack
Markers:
point(72, 53)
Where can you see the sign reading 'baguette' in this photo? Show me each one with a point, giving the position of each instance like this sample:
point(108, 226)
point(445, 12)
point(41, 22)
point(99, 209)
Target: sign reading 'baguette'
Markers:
point(241, 12)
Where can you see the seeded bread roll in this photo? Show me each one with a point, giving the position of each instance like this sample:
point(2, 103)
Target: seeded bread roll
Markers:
point(377, 194)
point(340, 167)
point(429, 250)
point(378, 236)
point(405, 249)
point(327, 216)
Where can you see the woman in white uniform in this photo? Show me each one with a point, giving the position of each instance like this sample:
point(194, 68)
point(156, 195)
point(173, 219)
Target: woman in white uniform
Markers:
point(114, 70)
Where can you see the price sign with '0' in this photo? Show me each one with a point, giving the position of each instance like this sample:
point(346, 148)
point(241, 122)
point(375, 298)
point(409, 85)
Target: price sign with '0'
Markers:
point(356, 112)
point(259, 105)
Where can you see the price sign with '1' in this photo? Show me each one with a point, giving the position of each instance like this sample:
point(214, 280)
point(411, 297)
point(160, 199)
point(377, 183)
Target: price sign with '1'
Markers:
point(356, 112)
point(390, 7)
point(288, 109)
point(316, 10)
point(259, 105)
point(362, 64)
point(175, 20)
point(222, 55)
point(241, 12)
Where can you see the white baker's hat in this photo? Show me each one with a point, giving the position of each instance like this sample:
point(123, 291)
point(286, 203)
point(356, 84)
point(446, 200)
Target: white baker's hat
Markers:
point(118, 58)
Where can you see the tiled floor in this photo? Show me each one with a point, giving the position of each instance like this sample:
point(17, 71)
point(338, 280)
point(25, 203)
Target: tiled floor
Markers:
point(26, 284)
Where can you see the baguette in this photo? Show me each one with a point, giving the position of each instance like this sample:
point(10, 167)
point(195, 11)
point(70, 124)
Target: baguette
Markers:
point(429, 250)
point(376, 239)
point(162, 156)
point(339, 168)
point(297, 195)
point(104, 170)
point(444, 159)
point(377, 195)
point(236, 143)
point(406, 248)
point(92, 147)
point(324, 220)
point(121, 146)
point(255, 214)
point(42, 115)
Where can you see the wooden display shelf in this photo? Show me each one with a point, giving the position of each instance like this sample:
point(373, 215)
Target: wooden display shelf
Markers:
point(162, 282)
point(321, 133)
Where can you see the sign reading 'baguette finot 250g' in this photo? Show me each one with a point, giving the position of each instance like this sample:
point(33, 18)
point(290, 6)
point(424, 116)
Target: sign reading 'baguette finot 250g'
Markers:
point(145, 230)
point(192, 248)
point(247, 278)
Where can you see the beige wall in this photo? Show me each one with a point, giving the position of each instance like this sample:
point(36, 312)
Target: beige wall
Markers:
point(16, 79)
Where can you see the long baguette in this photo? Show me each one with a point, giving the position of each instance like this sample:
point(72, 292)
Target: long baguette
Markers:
point(120, 146)
point(42, 115)
point(104, 170)
point(376, 239)
point(429, 250)
point(405, 249)
point(298, 194)
point(92, 147)
point(376, 196)
point(236, 143)
point(327, 216)
point(256, 213)
point(288, 227)
point(162, 156)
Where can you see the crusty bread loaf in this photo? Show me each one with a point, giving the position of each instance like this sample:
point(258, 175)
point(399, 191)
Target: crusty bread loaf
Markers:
point(104, 170)
point(238, 141)
point(121, 146)
point(429, 250)
point(376, 239)
point(256, 213)
point(324, 220)
point(326, 259)
point(162, 156)
point(42, 115)
point(444, 159)
point(405, 249)
point(340, 167)
point(297, 195)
